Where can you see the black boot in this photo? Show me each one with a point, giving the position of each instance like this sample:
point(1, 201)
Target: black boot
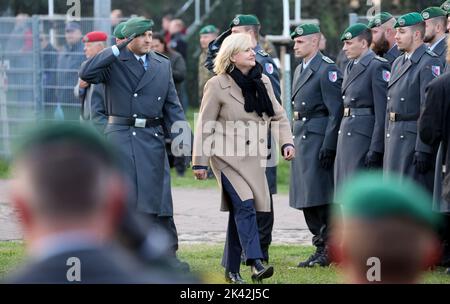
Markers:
point(311, 258)
point(233, 277)
point(260, 272)
point(322, 259)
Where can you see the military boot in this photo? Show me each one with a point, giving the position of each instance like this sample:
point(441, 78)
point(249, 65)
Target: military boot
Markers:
point(311, 258)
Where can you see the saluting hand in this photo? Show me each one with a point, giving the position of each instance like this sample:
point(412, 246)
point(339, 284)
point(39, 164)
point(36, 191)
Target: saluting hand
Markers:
point(126, 42)
point(289, 153)
point(201, 174)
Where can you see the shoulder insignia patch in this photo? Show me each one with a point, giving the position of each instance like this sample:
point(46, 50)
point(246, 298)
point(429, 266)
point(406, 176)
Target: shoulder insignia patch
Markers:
point(381, 59)
point(433, 54)
point(327, 59)
point(263, 53)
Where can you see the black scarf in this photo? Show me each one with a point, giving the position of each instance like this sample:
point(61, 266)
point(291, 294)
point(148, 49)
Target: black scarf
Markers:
point(254, 91)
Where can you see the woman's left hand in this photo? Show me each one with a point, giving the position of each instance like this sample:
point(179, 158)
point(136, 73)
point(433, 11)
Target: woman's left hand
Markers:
point(289, 153)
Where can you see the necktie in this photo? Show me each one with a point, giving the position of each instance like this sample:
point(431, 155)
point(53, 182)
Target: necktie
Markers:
point(142, 63)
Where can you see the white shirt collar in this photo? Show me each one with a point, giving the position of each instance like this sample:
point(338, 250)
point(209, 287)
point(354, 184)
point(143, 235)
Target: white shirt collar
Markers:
point(143, 57)
point(432, 47)
point(306, 63)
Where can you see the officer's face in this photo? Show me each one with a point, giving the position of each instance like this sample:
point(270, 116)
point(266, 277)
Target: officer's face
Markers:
point(404, 38)
point(92, 48)
point(142, 44)
point(377, 34)
point(430, 31)
point(244, 60)
point(354, 48)
point(244, 30)
point(157, 46)
point(305, 46)
point(205, 39)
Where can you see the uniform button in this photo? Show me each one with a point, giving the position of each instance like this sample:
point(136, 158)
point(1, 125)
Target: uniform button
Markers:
point(304, 119)
point(156, 134)
point(388, 135)
point(343, 97)
point(159, 98)
point(349, 134)
point(389, 98)
point(135, 95)
point(339, 132)
point(293, 103)
point(402, 99)
point(304, 136)
point(402, 136)
point(353, 116)
point(303, 103)
point(353, 99)
point(134, 133)
point(293, 137)
point(135, 115)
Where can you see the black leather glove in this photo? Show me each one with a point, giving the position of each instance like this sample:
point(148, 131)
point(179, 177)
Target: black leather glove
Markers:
point(373, 160)
point(326, 158)
point(213, 49)
point(126, 42)
point(423, 162)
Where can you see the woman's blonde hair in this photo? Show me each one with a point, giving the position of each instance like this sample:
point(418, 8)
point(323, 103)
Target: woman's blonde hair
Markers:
point(232, 45)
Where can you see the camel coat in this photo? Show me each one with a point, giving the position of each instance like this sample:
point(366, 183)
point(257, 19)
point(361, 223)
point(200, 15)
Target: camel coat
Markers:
point(234, 142)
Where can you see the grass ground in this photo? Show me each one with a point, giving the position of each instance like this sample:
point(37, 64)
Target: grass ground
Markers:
point(205, 260)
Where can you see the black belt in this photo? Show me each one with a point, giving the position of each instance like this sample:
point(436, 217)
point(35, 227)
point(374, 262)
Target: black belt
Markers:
point(358, 112)
point(135, 122)
point(402, 117)
point(312, 114)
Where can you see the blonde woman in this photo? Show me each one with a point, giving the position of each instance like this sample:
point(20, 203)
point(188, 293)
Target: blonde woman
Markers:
point(237, 107)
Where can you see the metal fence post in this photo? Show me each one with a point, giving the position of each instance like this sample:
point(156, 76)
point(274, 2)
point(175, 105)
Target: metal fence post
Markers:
point(37, 70)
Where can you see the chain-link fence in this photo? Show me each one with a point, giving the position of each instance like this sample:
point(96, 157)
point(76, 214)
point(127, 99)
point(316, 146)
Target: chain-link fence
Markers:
point(39, 62)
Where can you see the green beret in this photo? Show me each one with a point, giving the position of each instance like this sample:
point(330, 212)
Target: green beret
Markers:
point(446, 6)
point(409, 20)
point(65, 132)
point(244, 20)
point(354, 31)
point(433, 12)
point(209, 29)
point(305, 30)
point(374, 196)
point(118, 31)
point(138, 25)
point(380, 19)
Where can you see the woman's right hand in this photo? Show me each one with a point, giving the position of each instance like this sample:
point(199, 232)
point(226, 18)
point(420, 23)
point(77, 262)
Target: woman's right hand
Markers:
point(201, 174)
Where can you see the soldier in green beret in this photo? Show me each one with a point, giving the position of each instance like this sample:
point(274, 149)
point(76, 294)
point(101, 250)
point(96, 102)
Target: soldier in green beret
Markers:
point(385, 230)
point(317, 105)
point(361, 135)
point(435, 28)
point(118, 33)
point(446, 7)
point(405, 153)
point(142, 102)
point(207, 34)
point(383, 36)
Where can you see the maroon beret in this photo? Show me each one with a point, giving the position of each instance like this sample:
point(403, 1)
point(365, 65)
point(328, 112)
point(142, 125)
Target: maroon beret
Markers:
point(95, 36)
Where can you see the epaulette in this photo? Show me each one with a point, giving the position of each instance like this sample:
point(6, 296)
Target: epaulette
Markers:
point(433, 54)
point(162, 55)
point(263, 53)
point(327, 59)
point(381, 59)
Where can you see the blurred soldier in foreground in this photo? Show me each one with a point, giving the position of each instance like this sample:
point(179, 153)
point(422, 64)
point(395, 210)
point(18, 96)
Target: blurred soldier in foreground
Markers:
point(70, 205)
point(386, 233)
